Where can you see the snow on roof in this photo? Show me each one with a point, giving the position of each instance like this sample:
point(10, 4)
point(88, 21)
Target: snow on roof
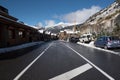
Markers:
point(41, 31)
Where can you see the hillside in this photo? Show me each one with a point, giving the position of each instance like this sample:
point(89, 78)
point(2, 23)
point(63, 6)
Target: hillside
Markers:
point(61, 26)
point(105, 22)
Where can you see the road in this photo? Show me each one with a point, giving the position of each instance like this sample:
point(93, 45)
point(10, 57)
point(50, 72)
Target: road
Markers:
point(59, 60)
point(116, 50)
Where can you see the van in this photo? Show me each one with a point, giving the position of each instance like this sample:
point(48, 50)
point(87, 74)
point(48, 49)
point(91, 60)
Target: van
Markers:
point(86, 38)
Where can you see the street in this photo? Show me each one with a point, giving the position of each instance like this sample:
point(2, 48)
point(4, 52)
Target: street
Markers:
point(59, 60)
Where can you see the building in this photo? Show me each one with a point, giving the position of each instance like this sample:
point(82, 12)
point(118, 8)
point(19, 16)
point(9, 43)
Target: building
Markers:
point(68, 33)
point(13, 32)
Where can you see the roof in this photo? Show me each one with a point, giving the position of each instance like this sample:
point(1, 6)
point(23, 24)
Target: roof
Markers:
point(3, 9)
point(4, 12)
point(6, 20)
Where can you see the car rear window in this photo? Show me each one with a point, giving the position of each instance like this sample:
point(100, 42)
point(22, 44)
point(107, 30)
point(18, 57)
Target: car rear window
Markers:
point(114, 38)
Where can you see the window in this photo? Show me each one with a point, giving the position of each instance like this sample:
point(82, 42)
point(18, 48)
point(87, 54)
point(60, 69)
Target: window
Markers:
point(21, 34)
point(11, 33)
point(101, 38)
point(114, 38)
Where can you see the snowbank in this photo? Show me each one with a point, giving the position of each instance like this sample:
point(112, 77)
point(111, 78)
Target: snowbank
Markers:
point(91, 45)
point(4, 50)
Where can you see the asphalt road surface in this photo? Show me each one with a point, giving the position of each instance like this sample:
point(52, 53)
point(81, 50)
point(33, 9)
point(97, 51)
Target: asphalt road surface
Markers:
point(59, 60)
point(116, 50)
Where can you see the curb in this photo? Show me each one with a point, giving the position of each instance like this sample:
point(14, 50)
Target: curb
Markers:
point(116, 53)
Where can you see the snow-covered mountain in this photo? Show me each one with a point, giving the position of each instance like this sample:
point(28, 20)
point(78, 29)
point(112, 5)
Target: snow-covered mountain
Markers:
point(103, 21)
point(111, 12)
point(60, 26)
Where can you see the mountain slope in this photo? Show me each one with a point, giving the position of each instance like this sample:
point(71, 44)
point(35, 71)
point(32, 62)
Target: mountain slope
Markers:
point(103, 22)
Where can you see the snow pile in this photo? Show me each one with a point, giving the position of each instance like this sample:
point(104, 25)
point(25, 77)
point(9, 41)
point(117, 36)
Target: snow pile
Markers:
point(91, 45)
point(4, 50)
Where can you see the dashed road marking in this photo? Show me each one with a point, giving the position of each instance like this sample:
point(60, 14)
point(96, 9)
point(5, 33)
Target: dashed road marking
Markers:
point(24, 70)
point(100, 70)
point(73, 73)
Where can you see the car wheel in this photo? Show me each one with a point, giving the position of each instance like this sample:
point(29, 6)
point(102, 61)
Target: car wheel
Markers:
point(83, 41)
point(105, 47)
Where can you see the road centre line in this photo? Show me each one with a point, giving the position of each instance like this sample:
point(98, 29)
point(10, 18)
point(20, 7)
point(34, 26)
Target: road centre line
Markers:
point(25, 69)
point(73, 73)
point(100, 70)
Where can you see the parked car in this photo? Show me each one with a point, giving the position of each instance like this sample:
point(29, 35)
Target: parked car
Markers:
point(74, 39)
point(108, 42)
point(86, 38)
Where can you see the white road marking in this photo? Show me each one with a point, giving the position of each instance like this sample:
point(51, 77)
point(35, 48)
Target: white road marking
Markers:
point(24, 70)
point(100, 70)
point(73, 73)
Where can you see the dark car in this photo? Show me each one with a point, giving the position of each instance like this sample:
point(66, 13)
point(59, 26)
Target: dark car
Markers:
point(108, 42)
point(74, 39)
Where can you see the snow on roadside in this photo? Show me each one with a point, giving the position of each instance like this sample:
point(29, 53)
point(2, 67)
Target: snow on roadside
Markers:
point(8, 49)
point(91, 45)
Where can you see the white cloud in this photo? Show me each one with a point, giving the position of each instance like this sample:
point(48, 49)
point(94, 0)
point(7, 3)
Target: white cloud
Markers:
point(49, 23)
point(39, 25)
point(80, 16)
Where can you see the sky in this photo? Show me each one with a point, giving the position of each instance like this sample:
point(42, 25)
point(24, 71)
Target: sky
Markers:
point(51, 12)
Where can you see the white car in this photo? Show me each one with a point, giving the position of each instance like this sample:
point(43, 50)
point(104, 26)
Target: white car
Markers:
point(86, 38)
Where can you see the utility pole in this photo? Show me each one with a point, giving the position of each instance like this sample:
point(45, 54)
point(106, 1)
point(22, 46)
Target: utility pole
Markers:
point(74, 28)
